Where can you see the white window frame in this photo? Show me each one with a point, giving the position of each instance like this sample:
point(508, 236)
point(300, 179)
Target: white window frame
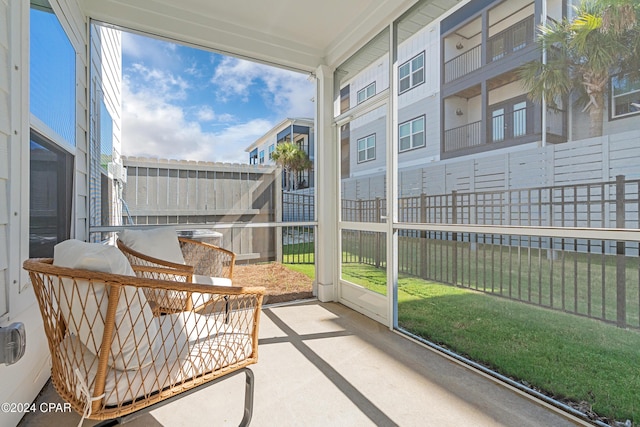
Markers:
point(412, 133)
point(272, 148)
point(635, 92)
point(366, 92)
point(409, 71)
point(369, 142)
point(261, 157)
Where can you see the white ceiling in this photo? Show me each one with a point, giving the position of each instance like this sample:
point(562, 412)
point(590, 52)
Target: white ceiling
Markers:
point(299, 34)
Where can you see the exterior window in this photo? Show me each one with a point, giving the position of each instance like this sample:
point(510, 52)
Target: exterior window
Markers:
point(366, 93)
point(272, 148)
point(411, 134)
point(625, 96)
point(367, 148)
point(52, 83)
point(411, 73)
point(261, 157)
point(514, 38)
point(253, 157)
point(510, 119)
point(52, 74)
point(51, 171)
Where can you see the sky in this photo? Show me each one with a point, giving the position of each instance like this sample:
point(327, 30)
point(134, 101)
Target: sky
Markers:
point(184, 103)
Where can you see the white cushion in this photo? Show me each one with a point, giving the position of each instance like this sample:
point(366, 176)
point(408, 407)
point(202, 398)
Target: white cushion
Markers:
point(215, 281)
point(161, 243)
point(84, 305)
point(192, 345)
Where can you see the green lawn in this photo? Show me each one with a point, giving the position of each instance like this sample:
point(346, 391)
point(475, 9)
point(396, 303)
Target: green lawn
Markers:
point(562, 354)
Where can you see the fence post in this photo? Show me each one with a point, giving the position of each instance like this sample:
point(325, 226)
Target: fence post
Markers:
point(279, 211)
point(378, 217)
point(360, 242)
point(454, 238)
point(423, 237)
point(621, 299)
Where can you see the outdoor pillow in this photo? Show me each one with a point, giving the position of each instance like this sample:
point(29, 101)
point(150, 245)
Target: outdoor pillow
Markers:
point(84, 306)
point(161, 243)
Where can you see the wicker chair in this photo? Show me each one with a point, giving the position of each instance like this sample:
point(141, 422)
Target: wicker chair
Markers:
point(202, 262)
point(112, 356)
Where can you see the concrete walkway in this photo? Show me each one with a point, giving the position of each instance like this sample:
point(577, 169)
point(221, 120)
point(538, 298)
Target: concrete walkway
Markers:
point(322, 364)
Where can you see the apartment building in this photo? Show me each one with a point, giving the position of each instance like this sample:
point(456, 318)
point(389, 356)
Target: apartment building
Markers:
point(297, 130)
point(459, 93)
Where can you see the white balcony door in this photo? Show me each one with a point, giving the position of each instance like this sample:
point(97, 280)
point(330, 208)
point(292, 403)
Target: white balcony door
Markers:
point(363, 137)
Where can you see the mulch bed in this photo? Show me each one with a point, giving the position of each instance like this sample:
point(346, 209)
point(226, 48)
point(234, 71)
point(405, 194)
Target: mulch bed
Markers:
point(281, 283)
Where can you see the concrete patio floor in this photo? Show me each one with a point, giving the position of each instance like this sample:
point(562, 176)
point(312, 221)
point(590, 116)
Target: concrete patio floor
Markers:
point(322, 364)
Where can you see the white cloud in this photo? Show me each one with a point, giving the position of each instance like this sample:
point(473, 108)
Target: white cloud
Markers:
point(288, 92)
point(205, 114)
point(154, 126)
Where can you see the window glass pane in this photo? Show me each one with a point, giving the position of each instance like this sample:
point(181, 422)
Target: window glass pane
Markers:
point(52, 75)
point(418, 125)
point(497, 124)
point(403, 71)
point(418, 76)
point(520, 119)
point(418, 62)
point(371, 90)
point(49, 196)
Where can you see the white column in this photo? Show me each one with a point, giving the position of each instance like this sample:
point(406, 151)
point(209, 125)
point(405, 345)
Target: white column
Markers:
point(327, 186)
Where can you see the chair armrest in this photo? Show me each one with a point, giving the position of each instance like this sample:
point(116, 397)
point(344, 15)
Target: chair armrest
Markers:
point(140, 259)
point(207, 259)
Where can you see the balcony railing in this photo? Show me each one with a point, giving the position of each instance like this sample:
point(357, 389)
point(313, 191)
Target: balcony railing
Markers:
point(463, 137)
point(463, 64)
point(499, 46)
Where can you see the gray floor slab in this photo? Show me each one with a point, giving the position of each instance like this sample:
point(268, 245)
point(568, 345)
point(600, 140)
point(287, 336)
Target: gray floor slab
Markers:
point(322, 364)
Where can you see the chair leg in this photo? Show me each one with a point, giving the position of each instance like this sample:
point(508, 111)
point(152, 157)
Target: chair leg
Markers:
point(248, 398)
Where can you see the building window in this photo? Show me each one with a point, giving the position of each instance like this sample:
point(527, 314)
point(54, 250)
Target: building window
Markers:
point(411, 134)
point(411, 73)
point(366, 93)
point(52, 74)
point(50, 174)
point(510, 119)
point(261, 157)
point(272, 148)
point(367, 148)
point(511, 40)
point(52, 82)
point(625, 99)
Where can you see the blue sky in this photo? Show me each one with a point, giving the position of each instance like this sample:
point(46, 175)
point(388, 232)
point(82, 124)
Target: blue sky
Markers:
point(185, 103)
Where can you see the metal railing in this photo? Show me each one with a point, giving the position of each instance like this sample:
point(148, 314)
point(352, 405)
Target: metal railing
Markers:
point(463, 137)
point(463, 64)
point(595, 277)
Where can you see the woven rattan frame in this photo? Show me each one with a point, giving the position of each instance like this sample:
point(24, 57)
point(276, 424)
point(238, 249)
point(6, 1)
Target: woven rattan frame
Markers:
point(53, 287)
point(200, 259)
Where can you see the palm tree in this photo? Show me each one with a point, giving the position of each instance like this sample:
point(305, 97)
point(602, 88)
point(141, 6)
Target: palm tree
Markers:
point(583, 53)
point(293, 160)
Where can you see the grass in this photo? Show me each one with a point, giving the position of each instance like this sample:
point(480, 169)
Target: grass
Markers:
point(307, 269)
point(566, 356)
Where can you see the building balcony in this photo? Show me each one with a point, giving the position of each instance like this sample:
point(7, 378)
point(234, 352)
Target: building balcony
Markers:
point(497, 36)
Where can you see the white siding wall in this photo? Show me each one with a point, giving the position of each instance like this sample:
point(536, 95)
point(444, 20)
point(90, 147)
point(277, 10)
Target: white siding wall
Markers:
point(23, 380)
point(5, 134)
point(377, 72)
point(427, 40)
